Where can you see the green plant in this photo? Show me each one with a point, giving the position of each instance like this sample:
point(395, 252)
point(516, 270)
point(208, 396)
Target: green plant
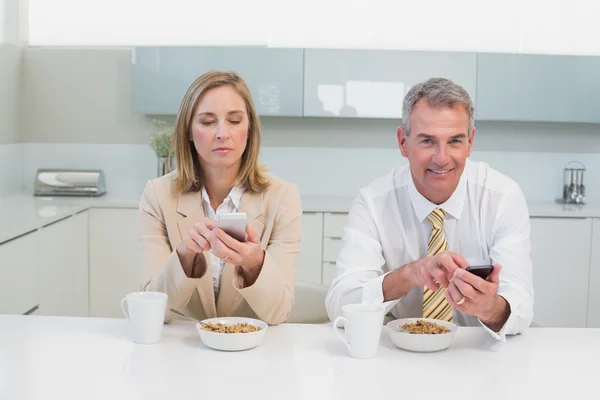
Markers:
point(160, 140)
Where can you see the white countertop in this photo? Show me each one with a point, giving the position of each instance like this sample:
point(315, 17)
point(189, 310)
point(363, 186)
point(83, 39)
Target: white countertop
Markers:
point(93, 358)
point(23, 213)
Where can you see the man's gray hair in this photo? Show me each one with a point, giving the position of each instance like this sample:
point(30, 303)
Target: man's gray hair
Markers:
point(439, 92)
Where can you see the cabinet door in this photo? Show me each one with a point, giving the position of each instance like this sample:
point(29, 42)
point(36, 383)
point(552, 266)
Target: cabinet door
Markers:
point(160, 76)
point(115, 262)
point(373, 83)
point(19, 274)
point(593, 317)
point(560, 253)
point(527, 87)
point(57, 270)
point(309, 264)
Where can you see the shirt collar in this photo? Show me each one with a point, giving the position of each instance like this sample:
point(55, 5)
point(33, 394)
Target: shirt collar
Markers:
point(235, 195)
point(453, 206)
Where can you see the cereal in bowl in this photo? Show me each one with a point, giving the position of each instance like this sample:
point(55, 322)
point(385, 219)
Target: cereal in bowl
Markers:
point(242, 327)
point(425, 328)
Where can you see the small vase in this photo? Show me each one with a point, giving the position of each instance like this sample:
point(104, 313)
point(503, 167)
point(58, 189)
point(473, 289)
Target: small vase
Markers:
point(164, 166)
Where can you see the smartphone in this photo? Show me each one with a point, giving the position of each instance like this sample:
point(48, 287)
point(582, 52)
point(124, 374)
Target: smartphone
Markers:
point(234, 224)
point(482, 271)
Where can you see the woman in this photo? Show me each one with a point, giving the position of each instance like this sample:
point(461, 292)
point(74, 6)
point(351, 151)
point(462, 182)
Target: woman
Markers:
point(206, 272)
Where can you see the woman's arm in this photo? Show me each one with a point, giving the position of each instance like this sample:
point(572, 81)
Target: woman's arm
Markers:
point(163, 269)
point(271, 295)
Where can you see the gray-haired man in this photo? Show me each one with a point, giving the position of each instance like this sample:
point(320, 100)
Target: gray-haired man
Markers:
point(413, 232)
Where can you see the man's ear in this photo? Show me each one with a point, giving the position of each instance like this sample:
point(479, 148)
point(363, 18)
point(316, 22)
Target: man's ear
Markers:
point(402, 140)
point(471, 139)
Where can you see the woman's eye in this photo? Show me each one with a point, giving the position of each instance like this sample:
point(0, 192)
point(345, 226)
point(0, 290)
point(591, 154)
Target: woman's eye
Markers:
point(207, 123)
point(235, 122)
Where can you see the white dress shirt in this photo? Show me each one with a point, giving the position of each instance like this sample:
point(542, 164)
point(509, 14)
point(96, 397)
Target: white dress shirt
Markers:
point(231, 204)
point(487, 222)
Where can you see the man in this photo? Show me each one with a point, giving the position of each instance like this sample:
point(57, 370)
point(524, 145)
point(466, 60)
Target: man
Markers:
point(412, 233)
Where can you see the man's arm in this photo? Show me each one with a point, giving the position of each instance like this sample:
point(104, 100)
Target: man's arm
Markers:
point(511, 248)
point(359, 265)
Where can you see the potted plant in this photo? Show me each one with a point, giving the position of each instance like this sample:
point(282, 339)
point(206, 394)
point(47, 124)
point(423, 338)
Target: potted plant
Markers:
point(160, 142)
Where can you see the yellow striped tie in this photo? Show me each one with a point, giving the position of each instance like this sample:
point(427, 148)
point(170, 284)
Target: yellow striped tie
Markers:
point(434, 303)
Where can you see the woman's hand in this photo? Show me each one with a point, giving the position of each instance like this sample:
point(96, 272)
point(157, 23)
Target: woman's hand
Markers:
point(197, 241)
point(248, 255)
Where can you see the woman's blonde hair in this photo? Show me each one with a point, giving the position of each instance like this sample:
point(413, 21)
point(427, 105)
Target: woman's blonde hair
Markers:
point(251, 176)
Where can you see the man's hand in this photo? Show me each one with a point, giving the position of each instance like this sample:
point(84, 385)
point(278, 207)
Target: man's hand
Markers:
point(472, 295)
point(436, 271)
point(433, 272)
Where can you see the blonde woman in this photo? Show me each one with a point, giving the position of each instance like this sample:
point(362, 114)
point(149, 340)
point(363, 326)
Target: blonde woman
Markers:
point(206, 272)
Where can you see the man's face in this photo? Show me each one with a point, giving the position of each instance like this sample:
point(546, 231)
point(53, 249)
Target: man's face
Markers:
point(437, 148)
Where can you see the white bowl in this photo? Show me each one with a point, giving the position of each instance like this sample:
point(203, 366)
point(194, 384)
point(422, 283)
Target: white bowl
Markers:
point(420, 342)
point(232, 341)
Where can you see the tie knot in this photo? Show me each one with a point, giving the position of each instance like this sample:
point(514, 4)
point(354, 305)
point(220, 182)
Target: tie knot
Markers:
point(437, 218)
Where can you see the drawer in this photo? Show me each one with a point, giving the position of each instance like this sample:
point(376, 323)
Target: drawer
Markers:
point(331, 249)
point(328, 272)
point(334, 224)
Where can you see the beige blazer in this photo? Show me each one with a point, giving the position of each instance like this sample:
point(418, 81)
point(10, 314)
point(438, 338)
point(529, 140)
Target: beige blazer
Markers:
point(166, 218)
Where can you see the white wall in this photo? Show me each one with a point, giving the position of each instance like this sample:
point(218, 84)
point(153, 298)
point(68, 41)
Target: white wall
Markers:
point(10, 151)
point(75, 113)
point(83, 96)
point(78, 96)
point(10, 65)
point(532, 26)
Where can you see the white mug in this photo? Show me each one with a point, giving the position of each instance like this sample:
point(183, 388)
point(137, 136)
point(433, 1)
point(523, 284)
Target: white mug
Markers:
point(363, 326)
point(146, 313)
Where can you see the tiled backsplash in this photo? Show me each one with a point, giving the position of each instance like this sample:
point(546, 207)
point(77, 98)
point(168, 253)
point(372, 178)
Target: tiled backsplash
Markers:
point(316, 171)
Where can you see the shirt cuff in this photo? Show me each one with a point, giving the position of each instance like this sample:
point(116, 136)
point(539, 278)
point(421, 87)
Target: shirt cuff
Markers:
point(373, 293)
point(510, 322)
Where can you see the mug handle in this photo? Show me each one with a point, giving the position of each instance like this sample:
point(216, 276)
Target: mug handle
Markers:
point(124, 308)
point(337, 332)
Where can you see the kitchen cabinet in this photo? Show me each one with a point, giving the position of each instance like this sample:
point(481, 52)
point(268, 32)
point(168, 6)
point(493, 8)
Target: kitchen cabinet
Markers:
point(115, 259)
point(529, 87)
point(333, 227)
point(19, 274)
point(560, 253)
point(309, 263)
point(593, 315)
point(63, 267)
point(373, 83)
point(160, 76)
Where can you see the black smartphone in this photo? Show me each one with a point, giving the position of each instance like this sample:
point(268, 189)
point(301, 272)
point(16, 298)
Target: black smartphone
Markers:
point(482, 271)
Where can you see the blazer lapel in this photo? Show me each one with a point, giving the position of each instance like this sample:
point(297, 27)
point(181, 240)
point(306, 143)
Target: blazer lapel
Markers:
point(229, 298)
point(190, 206)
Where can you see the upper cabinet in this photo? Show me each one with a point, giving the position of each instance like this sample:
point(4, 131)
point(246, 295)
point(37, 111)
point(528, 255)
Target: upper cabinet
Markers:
point(519, 87)
point(161, 76)
point(373, 83)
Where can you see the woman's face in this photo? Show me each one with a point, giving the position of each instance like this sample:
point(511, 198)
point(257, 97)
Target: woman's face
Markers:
point(220, 129)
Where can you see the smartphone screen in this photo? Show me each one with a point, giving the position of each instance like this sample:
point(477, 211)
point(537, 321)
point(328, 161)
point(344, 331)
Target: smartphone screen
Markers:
point(234, 224)
point(482, 271)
